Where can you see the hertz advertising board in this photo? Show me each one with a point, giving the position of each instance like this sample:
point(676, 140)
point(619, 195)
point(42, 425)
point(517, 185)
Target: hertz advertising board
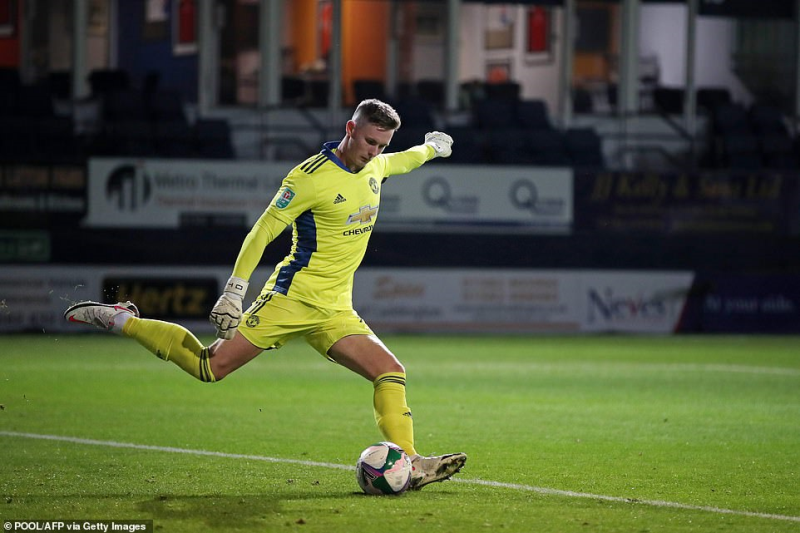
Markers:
point(35, 297)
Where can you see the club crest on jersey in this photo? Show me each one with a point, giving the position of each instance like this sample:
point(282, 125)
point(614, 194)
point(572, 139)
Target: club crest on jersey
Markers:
point(373, 184)
point(284, 198)
point(364, 215)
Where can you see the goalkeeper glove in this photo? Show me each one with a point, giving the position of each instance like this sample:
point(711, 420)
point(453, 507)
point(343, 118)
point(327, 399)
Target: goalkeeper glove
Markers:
point(227, 312)
point(441, 143)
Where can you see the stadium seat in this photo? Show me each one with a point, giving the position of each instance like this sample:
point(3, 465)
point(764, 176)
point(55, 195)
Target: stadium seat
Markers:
point(668, 100)
point(777, 152)
point(131, 138)
point(708, 98)
point(34, 102)
point(509, 146)
point(730, 119)
point(432, 91)
point(104, 81)
point(213, 139)
point(582, 101)
point(60, 84)
point(740, 151)
point(585, 148)
point(502, 91)
point(166, 106)
point(491, 114)
point(468, 145)
point(18, 137)
point(317, 93)
point(122, 106)
point(533, 115)
point(363, 89)
point(58, 135)
point(767, 120)
point(293, 90)
point(415, 112)
point(174, 139)
point(548, 148)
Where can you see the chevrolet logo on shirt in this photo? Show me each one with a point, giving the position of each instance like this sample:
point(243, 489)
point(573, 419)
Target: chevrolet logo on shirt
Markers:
point(364, 215)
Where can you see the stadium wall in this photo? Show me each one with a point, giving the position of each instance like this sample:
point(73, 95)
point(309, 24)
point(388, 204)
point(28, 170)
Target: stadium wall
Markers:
point(528, 250)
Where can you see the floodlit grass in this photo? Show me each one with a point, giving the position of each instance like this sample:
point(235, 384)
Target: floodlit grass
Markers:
point(595, 433)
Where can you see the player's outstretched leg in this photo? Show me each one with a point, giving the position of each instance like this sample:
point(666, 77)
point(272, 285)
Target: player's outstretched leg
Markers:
point(170, 342)
point(427, 470)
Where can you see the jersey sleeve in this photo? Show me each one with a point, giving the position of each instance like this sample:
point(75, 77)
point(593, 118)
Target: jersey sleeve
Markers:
point(407, 160)
point(296, 195)
point(263, 232)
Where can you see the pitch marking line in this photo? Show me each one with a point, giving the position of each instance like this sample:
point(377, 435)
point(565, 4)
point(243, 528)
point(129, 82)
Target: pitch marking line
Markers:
point(497, 484)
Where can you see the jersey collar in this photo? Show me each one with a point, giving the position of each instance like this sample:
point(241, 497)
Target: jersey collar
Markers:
point(327, 150)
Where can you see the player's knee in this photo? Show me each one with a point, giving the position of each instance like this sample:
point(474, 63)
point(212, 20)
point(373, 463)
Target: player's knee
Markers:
point(219, 371)
point(393, 367)
point(220, 368)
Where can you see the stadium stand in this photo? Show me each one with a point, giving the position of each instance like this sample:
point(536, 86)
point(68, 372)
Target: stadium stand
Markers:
point(213, 139)
point(368, 88)
point(502, 91)
point(585, 148)
point(432, 91)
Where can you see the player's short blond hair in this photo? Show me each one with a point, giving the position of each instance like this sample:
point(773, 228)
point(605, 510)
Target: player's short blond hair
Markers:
point(377, 112)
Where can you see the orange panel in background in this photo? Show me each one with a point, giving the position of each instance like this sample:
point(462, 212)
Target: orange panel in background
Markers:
point(303, 37)
point(365, 26)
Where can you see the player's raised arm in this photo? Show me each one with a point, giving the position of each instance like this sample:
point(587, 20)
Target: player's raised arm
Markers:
point(436, 144)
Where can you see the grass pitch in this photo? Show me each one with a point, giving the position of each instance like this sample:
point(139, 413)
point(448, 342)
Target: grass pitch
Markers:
point(564, 434)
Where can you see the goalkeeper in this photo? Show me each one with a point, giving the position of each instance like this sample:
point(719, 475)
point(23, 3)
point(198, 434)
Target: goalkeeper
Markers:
point(331, 201)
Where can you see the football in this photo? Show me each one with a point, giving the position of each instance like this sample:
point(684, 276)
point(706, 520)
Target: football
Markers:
point(383, 468)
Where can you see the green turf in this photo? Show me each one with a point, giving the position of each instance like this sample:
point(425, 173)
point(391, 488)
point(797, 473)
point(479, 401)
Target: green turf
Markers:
point(695, 421)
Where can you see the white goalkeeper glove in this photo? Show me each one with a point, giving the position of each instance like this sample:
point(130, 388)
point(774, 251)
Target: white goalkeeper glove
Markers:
point(227, 312)
point(441, 143)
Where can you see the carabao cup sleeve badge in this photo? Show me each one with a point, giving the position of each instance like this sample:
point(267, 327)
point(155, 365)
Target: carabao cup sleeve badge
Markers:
point(284, 198)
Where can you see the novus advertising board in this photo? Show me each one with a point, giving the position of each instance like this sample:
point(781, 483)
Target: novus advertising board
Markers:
point(474, 300)
point(170, 194)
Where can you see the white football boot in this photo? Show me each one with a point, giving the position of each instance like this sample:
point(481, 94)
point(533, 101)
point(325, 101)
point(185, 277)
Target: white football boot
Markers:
point(426, 470)
point(104, 316)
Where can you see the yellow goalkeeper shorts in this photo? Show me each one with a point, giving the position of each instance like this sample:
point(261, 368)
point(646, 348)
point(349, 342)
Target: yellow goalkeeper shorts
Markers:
point(273, 320)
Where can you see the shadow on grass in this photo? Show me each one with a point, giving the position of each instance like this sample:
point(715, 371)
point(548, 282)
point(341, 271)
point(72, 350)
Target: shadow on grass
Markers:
point(234, 511)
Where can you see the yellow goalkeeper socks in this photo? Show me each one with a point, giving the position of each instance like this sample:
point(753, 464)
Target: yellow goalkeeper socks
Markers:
point(171, 342)
point(391, 412)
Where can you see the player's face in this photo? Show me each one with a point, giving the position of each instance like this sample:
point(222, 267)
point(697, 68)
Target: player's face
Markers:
point(366, 141)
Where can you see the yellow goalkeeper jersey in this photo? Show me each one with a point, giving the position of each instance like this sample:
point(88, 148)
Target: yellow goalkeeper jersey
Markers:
point(332, 211)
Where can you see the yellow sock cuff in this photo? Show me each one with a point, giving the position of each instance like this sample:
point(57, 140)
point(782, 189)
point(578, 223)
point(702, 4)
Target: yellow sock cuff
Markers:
point(205, 368)
point(390, 377)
